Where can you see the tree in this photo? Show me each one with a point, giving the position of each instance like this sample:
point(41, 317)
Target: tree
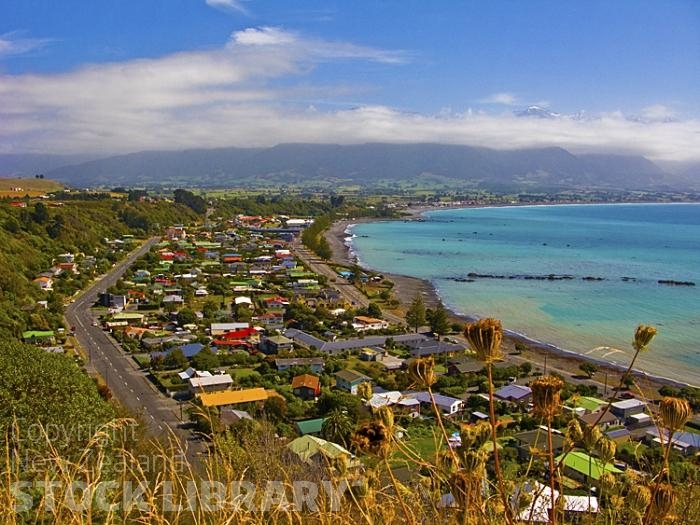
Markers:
point(337, 427)
point(439, 323)
point(415, 316)
point(588, 368)
point(175, 359)
point(205, 360)
point(186, 316)
point(373, 310)
point(275, 409)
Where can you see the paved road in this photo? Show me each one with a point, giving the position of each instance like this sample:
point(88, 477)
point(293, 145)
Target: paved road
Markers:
point(348, 290)
point(129, 385)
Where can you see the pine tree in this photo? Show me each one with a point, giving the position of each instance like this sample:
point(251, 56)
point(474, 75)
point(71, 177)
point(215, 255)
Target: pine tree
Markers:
point(415, 316)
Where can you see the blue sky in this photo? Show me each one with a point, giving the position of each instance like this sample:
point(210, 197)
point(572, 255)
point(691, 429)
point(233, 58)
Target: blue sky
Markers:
point(100, 76)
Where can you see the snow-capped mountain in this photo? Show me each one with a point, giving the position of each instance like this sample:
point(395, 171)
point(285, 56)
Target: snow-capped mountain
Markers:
point(536, 112)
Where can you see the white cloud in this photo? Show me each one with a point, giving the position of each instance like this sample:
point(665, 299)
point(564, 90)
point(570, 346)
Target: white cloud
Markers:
point(658, 112)
point(233, 5)
point(255, 92)
point(506, 99)
point(11, 44)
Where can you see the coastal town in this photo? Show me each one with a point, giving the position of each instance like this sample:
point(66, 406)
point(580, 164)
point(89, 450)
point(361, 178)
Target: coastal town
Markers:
point(236, 326)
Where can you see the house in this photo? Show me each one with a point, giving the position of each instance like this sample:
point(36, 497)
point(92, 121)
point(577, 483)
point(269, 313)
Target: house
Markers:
point(687, 443)
point(362, 323)
point(536, 441)
point(306, 386)
point(312, 449)
point(221, 328)
point(39, 337)
point(217, 383)
point(428, 346)
point(132, 319)
point(603, 421)
point(349, 380)
point(310, 426)
point(229, 416)
point(191, 372)
point(448, 405)
point(463, 365)
point(314, 363)
point(514, 393)
point(582, 467)
point(44, 282)
point(275, 344)
point(270, 320)
point(229, 398)
point(628, 407)
point(539, 508)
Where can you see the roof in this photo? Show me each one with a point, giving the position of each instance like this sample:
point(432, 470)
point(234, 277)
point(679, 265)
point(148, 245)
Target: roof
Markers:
point(513, 391)
point(306, 381)
point(37, 333)
point(538, 438)
point(348, 344)
point(228, 326)
point(203, 382)
point(605, 419)
point(127, 315)
point(351, 376)
point(587, 465)
point(440, 400)
point(299, 361)
point(233, 397)
point(679, 438)
point(627, 404)
point(306, 447)
point(310, 426)
point(591, 404)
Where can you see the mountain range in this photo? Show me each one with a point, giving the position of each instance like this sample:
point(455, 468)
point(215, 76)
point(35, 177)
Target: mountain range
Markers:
point(369, 164)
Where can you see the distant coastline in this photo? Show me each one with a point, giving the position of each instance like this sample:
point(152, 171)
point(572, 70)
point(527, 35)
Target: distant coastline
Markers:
point(406, 288)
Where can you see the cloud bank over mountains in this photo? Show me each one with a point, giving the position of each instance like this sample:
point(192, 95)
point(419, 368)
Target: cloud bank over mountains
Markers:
point(255, 90)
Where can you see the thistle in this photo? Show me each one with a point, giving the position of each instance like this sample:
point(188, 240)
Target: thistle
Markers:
point(485, 336)
point(386, 416)
point(643, 336)
point(545, 396)
point(422, 371)
point(674, 413)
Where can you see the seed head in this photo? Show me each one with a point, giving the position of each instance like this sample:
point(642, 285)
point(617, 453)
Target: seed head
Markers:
point(643, 336)
point(674, 413)
point(485, 336)
point(662, 501)
point(545, 396)
point(422, 371)
point(606, 449)
point(638, 498)
point(372, 437)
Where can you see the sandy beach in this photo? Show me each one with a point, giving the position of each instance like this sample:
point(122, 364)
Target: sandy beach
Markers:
point(542, 356)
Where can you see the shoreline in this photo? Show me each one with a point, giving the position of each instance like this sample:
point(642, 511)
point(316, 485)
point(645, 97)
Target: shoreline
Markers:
point(539, 353)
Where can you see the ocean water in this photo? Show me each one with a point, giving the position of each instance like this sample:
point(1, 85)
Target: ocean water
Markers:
point(606, 261)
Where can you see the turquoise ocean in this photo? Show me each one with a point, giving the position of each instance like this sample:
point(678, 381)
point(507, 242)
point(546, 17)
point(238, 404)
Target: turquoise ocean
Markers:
point(578, 277)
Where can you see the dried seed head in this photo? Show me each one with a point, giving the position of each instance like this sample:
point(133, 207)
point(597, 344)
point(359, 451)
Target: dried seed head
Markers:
point(374, 438)
point(386, 416)
point(545, 396)
point(422, 371)
point(485, 336)
point(474, 436)
point(638, 498)
point(364, 390)
point(573, 431)
point(643, 336)
point(662, 501)
point(674, 413)
point(606, 449)
point(607, 481)
point(591, 436)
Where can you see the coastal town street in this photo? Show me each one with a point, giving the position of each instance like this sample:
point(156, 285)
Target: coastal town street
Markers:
point(129, 385)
